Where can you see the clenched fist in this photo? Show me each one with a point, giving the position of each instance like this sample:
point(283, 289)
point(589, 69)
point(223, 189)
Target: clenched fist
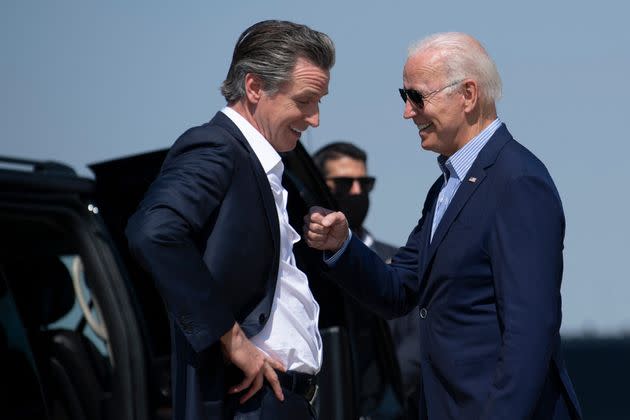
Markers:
point(325, 229)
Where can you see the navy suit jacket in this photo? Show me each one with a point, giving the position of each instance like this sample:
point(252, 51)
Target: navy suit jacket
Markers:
point(207, 231)
point(487, 288)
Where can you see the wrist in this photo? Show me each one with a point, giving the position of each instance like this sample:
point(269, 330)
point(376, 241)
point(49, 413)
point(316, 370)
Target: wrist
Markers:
point(345, 239)
point(232, 338)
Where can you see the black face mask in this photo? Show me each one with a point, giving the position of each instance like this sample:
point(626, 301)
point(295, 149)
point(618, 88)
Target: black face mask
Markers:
point(355, 207)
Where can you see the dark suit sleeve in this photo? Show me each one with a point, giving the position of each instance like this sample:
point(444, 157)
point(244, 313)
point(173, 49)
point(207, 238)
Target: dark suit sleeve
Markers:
point(387, 290)
point(526, 256)
point(390, 290)
point(165, 233)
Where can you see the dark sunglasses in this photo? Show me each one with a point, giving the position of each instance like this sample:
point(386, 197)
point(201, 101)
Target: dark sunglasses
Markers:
point(343, 184)
point(418, 98)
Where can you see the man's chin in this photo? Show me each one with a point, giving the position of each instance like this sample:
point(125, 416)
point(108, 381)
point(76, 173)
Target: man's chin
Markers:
point(287, 146)
point(427, 144)
point(284, 145)
point(291, 141)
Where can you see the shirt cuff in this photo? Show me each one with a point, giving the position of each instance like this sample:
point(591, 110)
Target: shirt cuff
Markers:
point(332, 260)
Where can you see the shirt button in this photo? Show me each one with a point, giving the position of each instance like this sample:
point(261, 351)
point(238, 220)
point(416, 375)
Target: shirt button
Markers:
point(423, 313)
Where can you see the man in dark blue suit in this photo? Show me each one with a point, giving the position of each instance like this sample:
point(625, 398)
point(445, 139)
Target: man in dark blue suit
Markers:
point(483, 266)
point(213, 231)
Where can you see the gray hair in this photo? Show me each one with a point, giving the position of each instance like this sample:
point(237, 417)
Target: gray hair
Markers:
point(270, 50)
point(463, 57)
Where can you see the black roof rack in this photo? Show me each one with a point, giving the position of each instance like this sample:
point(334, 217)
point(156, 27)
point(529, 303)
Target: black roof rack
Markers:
point(39, 166)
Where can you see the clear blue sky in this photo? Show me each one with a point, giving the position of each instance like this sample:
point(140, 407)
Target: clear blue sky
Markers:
point(88, 81)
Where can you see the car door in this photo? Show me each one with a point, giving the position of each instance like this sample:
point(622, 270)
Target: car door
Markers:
point(68, 299)
point(20, 387)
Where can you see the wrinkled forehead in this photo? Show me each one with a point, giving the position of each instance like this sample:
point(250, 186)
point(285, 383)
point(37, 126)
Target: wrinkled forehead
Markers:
point(425, 67)
point(309, 78)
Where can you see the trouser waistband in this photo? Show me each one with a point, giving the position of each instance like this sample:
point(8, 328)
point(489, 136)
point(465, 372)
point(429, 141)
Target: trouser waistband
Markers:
point(299, 383)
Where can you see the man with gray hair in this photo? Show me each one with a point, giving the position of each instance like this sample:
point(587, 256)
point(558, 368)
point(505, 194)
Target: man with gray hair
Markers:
point(483, 266)
point(213, 232)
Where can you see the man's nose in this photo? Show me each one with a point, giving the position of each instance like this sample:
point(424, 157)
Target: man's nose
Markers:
point(356, 188)
point(313, 118)
point(410, 110)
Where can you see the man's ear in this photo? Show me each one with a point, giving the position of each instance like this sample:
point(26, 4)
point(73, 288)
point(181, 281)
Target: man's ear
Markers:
point(470, 90)
point(253, 88)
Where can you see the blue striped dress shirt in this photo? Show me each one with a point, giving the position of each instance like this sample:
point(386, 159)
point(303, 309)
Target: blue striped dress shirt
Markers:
point(456, 167)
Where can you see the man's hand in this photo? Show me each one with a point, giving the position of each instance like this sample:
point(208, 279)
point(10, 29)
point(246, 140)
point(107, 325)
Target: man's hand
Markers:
point(325, 229)
point(256, 366)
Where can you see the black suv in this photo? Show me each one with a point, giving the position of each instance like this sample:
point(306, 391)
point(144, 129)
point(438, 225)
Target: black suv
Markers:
point(83, 331)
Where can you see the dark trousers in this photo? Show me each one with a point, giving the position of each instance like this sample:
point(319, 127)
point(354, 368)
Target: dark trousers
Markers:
point(265, 406)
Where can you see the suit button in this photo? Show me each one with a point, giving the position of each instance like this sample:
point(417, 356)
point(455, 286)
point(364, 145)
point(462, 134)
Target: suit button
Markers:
point(186, 324)
point(423, 313)
point(262, 318)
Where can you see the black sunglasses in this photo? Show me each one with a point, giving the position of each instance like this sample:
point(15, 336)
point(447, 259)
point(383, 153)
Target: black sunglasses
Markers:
point(418, 98)
point(343, 184)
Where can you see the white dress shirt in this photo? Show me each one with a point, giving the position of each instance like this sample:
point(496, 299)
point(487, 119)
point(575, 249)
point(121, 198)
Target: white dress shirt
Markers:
point(291, 334)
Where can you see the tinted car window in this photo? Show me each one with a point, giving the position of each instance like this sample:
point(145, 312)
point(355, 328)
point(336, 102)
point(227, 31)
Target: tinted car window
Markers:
point(20, 390)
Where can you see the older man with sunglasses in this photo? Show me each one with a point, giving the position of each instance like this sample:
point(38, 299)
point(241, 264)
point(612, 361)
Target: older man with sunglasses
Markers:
point(483, 267)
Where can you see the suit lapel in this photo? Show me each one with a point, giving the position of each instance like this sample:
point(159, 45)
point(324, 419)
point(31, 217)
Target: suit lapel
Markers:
point(261, 179)
point(426, 234)
point(464, 192)
point(267, 198)
point(473, 179)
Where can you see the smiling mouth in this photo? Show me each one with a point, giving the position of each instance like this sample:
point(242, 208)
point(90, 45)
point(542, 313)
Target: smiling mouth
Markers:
point(422, 127)
point(296, 131)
